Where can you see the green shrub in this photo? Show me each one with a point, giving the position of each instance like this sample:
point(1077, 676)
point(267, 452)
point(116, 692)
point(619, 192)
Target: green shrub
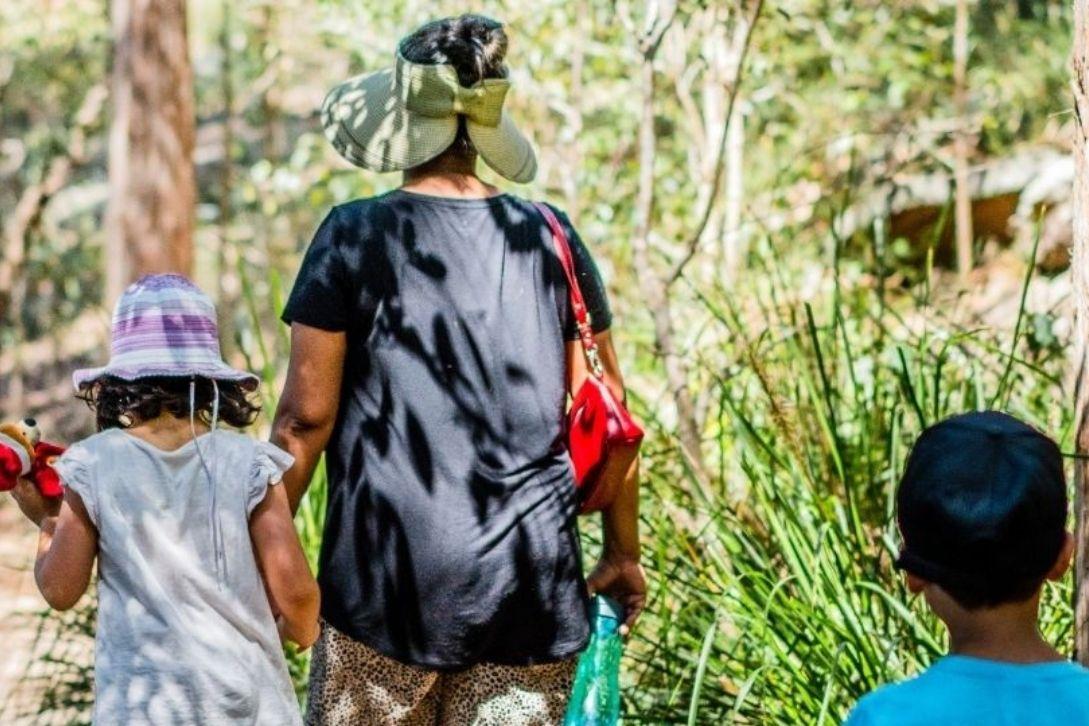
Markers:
point(775, 599)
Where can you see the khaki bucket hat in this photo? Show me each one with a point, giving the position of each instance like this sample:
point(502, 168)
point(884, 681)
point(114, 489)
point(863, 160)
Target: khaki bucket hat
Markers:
point(401, 117)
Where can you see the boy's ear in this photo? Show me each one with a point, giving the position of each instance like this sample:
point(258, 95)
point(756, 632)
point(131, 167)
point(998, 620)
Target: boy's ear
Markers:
point(915, 583)
point(1062, 562)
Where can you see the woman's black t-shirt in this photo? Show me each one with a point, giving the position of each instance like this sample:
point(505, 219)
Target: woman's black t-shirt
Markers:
point(450, 536)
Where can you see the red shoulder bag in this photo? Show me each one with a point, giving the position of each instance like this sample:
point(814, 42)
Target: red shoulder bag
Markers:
point(602, 436)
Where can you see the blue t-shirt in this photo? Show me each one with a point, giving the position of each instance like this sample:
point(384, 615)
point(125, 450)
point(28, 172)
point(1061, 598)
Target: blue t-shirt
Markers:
point(969, 691)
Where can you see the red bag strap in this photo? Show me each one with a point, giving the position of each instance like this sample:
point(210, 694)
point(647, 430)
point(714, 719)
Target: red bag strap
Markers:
point(578, 303)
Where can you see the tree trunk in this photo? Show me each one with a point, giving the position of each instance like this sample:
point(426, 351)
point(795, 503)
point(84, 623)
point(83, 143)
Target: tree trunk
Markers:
point(152, 180)
point(275, 141)
point(654, 291)
point(961, 144)
point(1079, 269)
point(654, 287)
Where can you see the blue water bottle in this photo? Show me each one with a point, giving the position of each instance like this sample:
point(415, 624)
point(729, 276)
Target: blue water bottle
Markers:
point(595, 699)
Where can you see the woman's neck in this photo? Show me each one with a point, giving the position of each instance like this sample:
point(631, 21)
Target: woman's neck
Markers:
point(449, 175)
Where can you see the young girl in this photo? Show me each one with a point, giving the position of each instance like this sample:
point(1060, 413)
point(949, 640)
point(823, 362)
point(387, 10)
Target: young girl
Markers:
point(198, 561)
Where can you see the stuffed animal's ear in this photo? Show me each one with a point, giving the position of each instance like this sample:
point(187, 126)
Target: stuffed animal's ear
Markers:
point(30, 430)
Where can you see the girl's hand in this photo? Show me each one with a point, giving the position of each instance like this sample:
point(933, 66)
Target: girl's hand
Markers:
point(623, 580)
point(293, 593)
point(32, 504)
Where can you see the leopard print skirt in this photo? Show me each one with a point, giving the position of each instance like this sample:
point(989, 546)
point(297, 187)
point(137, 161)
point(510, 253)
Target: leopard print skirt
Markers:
point(352, 684)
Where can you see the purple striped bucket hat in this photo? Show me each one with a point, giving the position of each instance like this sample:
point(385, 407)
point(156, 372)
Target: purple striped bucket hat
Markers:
point(164, 326)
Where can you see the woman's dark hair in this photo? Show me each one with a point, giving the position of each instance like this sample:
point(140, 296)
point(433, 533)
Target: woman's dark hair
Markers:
point(118, 403)
point(474, 45)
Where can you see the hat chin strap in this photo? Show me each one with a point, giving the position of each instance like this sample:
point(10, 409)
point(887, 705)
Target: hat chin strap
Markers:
point(219, 554)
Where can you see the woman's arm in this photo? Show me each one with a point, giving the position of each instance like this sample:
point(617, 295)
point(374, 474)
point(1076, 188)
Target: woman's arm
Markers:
point(308, 408)
point(291, 588)
point(619, 573)
point(621, 520)
point(67, 544)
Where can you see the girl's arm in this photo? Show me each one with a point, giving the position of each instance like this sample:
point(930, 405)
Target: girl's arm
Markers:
point(67, 544)
point(308, 407)
point(290, 585)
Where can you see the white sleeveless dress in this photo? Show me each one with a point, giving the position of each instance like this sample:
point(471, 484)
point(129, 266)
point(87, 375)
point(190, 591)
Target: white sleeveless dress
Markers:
point(176, 642)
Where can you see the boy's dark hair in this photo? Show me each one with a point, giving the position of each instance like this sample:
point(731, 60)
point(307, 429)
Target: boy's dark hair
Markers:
point(474, 45)
point(114, 400)
point(982, 508)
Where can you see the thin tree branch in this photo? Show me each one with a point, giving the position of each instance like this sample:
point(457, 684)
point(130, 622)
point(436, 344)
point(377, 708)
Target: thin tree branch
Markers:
point(34, 199)
point(652, 286)
point(659, 19)
point(746, 21)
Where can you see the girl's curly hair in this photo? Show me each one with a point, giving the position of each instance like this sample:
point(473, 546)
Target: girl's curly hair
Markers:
point(118, 403)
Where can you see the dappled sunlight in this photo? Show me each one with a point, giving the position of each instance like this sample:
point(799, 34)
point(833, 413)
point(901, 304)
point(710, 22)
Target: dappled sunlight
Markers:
point(821, 227)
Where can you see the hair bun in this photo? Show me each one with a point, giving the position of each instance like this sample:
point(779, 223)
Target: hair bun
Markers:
point(474, 44)
point(485, 37)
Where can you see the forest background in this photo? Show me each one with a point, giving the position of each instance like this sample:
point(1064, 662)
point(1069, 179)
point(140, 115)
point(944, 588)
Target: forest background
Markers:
point(824, 224)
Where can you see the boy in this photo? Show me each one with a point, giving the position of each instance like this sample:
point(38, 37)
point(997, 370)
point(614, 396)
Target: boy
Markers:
point(982, 512)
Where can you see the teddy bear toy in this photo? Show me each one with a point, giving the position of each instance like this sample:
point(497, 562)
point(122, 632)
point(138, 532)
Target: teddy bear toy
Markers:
point(24, 454)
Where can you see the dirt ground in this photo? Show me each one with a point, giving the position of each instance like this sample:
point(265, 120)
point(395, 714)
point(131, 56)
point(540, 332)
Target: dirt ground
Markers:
point(44, 662)
point(19, 598)
point(27, 639)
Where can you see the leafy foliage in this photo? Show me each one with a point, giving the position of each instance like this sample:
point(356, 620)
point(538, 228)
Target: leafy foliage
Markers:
point(784, 608)
point(773, 596)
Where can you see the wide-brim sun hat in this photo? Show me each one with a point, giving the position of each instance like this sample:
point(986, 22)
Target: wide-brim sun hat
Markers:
point(163, 325)
point(401, 117)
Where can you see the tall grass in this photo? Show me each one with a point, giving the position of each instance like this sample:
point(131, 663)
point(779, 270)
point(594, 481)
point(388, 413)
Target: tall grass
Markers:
point(776, 601)
point(773, 600)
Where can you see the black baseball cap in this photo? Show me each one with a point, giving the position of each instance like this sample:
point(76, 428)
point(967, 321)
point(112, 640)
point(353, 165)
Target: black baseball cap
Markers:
point(982, 508)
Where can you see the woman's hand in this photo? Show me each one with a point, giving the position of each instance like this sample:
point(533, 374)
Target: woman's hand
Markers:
point(32, 504)
point(622, 579)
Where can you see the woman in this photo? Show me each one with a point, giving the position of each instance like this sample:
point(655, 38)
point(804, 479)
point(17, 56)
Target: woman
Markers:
point(432, 352)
